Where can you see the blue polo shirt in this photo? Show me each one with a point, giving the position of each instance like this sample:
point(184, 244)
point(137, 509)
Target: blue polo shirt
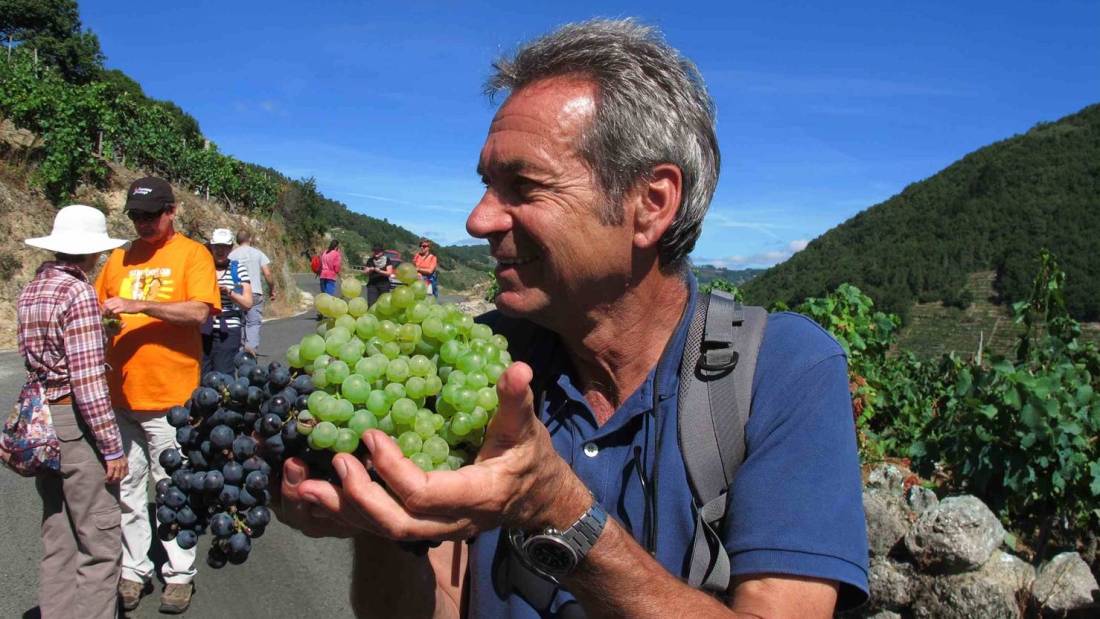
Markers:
point(795, 504)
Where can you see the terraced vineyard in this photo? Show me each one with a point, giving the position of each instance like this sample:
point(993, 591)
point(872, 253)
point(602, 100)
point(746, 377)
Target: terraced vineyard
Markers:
point(934, 329)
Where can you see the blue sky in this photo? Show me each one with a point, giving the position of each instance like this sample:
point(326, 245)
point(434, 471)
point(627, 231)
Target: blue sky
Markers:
point(824, 108)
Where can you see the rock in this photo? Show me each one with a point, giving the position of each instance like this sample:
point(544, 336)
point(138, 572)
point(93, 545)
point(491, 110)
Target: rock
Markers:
point(994, 591)
point(884, 614)
point(887, 521)
point(475, 307)
point(1010, 569)
point(957, 535)
point(891, 584)
point(305, 302)
point(921, 499)
point(1064, 584)
point(887, 478)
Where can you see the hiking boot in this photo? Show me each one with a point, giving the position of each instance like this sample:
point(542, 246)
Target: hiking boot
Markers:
point(176, 598)
point(131, 592)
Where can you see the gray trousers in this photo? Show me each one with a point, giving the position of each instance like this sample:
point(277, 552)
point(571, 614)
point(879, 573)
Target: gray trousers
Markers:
point(253, 318)
point(81, 528)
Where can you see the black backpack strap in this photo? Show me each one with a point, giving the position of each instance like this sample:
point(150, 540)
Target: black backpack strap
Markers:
point(715, 398)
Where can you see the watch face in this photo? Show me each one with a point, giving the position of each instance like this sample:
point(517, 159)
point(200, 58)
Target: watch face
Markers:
point(550, 554)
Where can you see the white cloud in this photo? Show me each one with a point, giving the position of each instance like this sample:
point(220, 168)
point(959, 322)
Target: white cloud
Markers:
point(758, 260)
point(722, 220)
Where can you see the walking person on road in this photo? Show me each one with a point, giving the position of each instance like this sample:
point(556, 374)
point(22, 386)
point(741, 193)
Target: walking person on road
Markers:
point(61, 339)
point(163, 288)
point(427, 266)
point(263, 287)
point(222, 334)
point(330, 267)
point(379, 270)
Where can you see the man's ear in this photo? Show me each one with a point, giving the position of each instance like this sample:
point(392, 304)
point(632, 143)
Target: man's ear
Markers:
point(656, 202)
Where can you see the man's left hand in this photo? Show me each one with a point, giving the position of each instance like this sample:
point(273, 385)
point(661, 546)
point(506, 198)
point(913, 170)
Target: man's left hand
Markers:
point(518, 481)
point(118, 305)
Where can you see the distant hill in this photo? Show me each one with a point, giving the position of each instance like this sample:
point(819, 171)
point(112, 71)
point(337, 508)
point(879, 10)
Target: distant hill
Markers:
point(707, 273)
point(993, 210)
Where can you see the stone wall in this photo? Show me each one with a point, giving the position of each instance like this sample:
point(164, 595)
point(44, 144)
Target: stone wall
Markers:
point(946, 559)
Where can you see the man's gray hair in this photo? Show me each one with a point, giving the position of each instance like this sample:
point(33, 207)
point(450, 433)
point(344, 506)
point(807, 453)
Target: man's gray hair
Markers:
point(652, 108)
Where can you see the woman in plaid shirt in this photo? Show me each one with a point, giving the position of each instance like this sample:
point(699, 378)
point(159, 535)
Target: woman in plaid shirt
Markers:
point(61, 338)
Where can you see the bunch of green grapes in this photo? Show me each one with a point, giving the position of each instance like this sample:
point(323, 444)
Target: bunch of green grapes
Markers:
point(421, 372)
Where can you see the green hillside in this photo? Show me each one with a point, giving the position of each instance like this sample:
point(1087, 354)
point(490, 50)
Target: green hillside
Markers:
point(993, 210)
point(707, 273)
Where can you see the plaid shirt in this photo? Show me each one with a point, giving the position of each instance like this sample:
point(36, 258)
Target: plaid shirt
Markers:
point(61, 334)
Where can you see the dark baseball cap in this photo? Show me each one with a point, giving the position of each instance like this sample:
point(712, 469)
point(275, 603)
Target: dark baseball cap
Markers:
point(376, 247)
point(149, 194)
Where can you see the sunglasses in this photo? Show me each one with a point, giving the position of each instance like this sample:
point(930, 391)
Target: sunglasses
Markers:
point(136, 216)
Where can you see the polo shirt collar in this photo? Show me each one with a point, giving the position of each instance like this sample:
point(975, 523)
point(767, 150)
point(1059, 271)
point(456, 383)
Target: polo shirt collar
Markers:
point(570, 399)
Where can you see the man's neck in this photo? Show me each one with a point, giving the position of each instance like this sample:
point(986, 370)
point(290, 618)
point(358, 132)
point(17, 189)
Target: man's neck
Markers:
point(620, 343)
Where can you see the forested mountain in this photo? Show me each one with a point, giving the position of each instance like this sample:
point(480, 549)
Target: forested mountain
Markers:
point(992, 210)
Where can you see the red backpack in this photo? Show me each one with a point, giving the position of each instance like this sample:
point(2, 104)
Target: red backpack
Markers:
point(315, 264)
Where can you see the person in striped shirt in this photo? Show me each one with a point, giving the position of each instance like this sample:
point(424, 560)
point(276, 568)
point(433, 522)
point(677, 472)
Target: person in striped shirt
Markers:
point(221, 335)
point(61, 339)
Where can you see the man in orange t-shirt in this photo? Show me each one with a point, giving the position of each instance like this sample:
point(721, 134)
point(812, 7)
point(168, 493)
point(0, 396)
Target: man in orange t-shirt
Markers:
point(426, 264)
point(163, 288)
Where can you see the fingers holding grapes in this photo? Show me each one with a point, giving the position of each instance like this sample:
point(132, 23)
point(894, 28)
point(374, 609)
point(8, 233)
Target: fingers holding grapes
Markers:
point(513, 482)
point(292, 507)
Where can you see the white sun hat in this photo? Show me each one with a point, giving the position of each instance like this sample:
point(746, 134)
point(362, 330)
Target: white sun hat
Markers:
point(221, 236)
point(77, 230)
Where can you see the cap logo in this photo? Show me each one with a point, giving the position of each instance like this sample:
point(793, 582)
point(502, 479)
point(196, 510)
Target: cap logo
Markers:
point(141, 191)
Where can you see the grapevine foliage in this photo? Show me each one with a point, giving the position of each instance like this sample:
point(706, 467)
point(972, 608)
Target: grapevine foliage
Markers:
point(1019, 433)
point(71, 119)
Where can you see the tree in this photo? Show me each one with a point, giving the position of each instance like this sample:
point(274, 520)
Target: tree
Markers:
point(53, 28)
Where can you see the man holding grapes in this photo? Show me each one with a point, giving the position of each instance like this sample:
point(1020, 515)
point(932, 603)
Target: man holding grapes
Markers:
point(598, 170)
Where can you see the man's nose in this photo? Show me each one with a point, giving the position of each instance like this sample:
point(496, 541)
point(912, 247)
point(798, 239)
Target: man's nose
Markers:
point(489, 217)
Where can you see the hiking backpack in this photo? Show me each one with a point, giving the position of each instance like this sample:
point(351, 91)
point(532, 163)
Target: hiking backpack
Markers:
point(315, 264)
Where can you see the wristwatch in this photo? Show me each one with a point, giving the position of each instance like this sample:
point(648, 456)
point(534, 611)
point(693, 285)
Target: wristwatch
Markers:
point(554, 554)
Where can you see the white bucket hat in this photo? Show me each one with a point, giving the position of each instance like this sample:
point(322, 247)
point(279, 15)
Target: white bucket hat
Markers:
point(221, 236)
point(77, 230)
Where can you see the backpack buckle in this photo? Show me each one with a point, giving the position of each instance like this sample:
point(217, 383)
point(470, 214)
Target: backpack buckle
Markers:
point(717, 357)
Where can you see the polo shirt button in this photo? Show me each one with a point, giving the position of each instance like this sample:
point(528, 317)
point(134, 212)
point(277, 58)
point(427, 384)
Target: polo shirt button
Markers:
point(591, 450)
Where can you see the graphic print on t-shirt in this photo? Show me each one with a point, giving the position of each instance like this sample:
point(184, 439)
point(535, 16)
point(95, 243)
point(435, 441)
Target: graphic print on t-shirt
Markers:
point(147, 285)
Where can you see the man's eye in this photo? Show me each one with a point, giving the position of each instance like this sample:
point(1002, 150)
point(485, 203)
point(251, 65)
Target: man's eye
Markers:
point(524, 186)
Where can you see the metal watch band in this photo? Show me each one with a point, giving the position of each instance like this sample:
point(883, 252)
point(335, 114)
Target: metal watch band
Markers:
point(586, 530)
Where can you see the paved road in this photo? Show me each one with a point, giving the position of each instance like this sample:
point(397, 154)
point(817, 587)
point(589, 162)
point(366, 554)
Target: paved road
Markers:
point(287, 574)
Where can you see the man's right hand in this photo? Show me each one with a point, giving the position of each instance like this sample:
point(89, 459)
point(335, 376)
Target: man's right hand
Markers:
point(117, 469)
point(294, 511)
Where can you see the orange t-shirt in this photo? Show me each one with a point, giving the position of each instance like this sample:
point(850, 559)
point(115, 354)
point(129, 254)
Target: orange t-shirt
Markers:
point(155, 364)
point(425, 262)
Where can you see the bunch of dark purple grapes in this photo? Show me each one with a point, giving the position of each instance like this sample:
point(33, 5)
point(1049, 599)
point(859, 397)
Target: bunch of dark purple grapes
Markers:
point(234, 434)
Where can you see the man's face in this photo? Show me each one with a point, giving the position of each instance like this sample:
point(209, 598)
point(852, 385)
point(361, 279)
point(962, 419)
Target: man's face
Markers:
point(540, 210)
point(221, 255)
point(153, 227)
